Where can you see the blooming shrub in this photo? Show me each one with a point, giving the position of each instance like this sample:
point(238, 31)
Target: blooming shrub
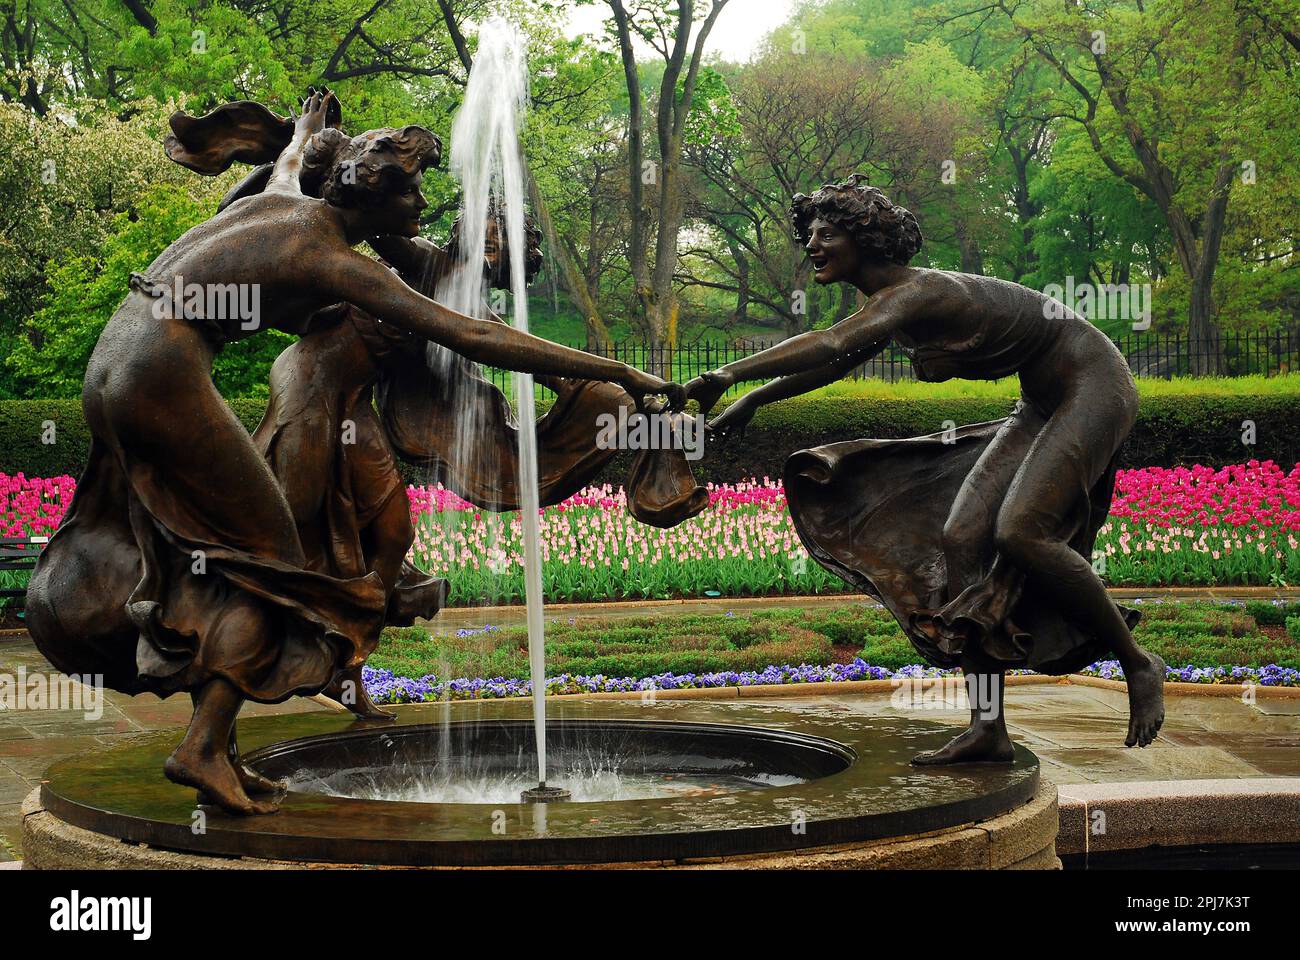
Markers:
point(31, 507)
point(1168, 526)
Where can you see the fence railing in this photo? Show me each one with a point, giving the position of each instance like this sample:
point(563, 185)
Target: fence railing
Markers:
point(1148, 355)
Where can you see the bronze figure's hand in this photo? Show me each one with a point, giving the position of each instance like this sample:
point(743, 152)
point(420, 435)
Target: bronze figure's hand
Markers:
point(641, 384)
point(315, 112)
point(732, 421)
point(707, 389)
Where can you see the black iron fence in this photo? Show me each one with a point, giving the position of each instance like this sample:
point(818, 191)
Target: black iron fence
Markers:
point(1149, 355)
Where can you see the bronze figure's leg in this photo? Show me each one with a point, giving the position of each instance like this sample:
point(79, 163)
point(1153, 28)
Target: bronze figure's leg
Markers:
point(347, 689)
point(968, 531)
point(202, 760)
point(1044, 492)
point(252, 781)
point(986, 739)
point(388, 538)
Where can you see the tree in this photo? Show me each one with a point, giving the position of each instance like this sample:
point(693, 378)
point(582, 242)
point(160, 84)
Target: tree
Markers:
point(1157, 89)
point(666, 26)
point(891, 120)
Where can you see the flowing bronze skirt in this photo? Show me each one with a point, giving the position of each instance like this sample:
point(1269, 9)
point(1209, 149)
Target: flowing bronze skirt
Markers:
point(873, 512)
point(178, 561)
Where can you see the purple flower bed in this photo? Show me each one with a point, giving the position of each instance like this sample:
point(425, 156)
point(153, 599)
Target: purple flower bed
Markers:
point(1267, 676)
point(385, 687)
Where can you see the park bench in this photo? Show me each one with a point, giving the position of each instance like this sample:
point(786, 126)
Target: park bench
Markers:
point(19, 553)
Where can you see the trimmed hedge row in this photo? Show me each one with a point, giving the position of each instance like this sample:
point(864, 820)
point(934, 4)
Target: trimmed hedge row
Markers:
point(632, 646)
point(1171, 431)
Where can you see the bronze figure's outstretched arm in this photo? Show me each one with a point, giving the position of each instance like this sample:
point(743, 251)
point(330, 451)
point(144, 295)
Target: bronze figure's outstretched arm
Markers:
point(284, 175)
point(736, 417)
point(814, 357)
point(360, 280)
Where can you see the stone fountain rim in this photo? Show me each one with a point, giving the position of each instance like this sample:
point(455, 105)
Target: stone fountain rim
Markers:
point(120, 793)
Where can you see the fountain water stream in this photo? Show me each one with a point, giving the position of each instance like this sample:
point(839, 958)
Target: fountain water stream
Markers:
point(486, 158)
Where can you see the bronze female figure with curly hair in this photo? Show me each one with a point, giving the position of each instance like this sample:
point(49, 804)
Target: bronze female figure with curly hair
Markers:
point(978, 540)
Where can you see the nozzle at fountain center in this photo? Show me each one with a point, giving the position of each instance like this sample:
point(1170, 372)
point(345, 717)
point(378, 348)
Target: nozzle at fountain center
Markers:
point(544, 794)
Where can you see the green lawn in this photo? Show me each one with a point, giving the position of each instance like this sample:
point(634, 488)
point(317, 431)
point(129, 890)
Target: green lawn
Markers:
point(1199, 634)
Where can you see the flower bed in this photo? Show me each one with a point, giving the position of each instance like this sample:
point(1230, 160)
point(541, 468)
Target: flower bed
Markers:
point(386, 688)
point(1194, 526)
point(1182, 526)
point(1216, 642)
point(1267, 676)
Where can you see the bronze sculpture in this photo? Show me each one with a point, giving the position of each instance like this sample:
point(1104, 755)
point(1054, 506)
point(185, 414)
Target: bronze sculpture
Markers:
point(336, 456)
point(178, 566)
point(343, 483)
point(978, 539)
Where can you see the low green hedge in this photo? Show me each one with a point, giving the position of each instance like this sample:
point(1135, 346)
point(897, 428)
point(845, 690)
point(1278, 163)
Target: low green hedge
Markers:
point(634, 646)
point(1268, 613)
point(1171, 430)
point(1198, 633)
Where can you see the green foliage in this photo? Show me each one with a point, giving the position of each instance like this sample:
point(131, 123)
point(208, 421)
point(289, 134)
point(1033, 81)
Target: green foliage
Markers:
point(1269, 614)
point(1210, 635)
point(1200, 634)
point(1037, 197)
point(22, 449)
point(1174, 428)
point(635, 646)
point(86, 290)
point(1179, 423)
point(68, 183)
point(13, 580)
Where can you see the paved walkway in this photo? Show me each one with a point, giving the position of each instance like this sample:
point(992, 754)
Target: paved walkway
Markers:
point(1076, 731)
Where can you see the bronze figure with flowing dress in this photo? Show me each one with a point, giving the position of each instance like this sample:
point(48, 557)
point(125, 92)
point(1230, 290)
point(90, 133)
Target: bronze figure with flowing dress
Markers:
point(355, 394)
point(179, 567)
point(978, 540)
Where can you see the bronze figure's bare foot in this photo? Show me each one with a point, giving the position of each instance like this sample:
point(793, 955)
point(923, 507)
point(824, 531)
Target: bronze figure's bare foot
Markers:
point(254, 783)
point(985, 743)
point(348, 690)
point(365, 709)
point(216, 780)
point(1146, 701)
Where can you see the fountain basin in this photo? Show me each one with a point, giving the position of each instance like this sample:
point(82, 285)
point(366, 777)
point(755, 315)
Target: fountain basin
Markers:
point(492, 762)
point(787, 781)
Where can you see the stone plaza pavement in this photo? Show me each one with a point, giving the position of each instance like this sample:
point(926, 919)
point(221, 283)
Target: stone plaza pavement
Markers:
point(1076, 731)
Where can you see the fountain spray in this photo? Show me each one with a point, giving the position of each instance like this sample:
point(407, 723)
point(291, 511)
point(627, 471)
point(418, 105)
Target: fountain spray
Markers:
point(486, 157)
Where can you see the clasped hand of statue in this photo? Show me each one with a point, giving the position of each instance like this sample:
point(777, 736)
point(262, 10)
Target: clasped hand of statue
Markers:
point(641, 385)
point(707, 389)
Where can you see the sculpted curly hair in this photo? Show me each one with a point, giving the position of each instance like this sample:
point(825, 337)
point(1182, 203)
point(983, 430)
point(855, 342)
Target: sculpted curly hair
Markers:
point(532, 240)
point(883, 229)
point(350, 170)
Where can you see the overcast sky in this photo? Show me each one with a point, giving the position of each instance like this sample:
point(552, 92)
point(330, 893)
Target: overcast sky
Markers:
point(740, 27)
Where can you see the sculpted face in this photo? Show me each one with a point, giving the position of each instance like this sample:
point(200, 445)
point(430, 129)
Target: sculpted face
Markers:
point(496, 263)
point(399, 213)
point(834, 254)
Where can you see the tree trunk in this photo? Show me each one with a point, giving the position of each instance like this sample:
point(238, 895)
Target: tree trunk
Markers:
point(972, 261)
point(741, 314)
point(574, 282)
